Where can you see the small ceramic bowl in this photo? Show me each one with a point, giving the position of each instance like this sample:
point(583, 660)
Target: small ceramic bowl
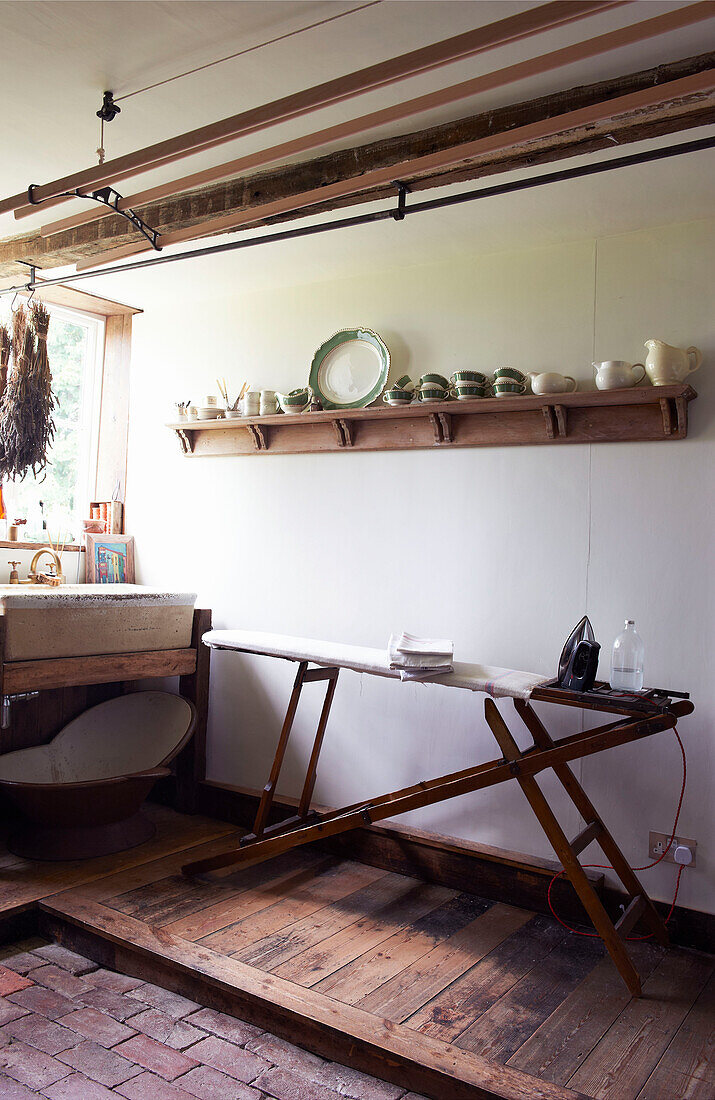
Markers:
point(434, 380)
point(403, 383)
point(396, 396)
point(506, 374)
point(433, 393)
point(508, 389)
point(469, 377)
point(233, 414)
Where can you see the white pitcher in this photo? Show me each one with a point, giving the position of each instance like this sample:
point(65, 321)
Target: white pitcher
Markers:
point(666, 366)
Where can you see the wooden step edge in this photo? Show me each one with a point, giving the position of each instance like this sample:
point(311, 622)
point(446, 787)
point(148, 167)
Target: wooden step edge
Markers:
point(591, 832)
point(322, 1025)
point(633, 913)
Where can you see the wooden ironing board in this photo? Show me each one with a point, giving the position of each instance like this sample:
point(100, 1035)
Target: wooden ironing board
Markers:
point(638, 717)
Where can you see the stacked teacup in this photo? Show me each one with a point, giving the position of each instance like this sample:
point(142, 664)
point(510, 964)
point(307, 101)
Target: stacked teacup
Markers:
point(433, 387)
point(400, 392)
point(508, 382)
point(468, 384)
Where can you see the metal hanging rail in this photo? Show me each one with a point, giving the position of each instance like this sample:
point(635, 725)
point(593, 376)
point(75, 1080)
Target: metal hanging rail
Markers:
point(398, 213)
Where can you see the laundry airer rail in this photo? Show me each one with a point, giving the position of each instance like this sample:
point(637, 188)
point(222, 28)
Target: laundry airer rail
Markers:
point(638, 717)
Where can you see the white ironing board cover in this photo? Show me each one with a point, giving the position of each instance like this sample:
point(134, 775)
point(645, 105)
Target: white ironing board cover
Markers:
point(498, 682)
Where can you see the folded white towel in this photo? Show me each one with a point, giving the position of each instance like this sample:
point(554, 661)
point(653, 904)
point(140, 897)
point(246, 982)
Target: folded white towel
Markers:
point(425, 647)
point(419, 658)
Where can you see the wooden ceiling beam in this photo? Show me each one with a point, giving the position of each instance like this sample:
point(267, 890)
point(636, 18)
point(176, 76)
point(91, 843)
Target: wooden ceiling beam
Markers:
point(579, 51)
point(427, 164)
point(238, 195)
point(513, 28)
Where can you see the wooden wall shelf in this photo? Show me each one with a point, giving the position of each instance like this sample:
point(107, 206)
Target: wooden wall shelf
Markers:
point(636, 415)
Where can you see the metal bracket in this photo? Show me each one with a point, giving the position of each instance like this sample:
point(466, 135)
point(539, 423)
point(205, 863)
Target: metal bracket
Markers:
point(402, 192)
point(107, 196)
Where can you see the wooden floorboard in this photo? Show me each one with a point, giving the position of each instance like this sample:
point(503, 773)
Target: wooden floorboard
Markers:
point(24, 882)
point(620, 1064)
point(559, 1046)
point(362, 934)
point(317, 1022)
point(329, 884)
point(513, 1018)
point(372, 969)
point(407, 992)
point(449, 1013)
point(450, 995)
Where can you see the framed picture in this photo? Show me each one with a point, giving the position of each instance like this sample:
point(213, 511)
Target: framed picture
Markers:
point(110, 559)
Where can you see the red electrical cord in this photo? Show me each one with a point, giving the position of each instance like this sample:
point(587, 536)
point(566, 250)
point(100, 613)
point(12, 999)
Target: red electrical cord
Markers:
point(646, 867)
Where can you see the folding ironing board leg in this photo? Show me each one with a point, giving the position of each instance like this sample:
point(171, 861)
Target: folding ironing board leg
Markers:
point(312, 770)
point(264, 806)
point(614, 855)
point(566, 853)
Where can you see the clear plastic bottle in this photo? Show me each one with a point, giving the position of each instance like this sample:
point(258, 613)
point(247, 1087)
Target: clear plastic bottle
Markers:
point(627, 660)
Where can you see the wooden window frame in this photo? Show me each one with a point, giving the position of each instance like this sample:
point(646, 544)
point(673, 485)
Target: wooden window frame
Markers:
point(113, 432)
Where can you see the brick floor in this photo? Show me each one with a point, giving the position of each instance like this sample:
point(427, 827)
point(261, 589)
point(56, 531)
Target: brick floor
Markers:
point(156, 1057)
point(31, 1067)
point(39, 1032)
point(105, 1066)
point(178, 1034)
point(64, 1036)
point(235, 1061)
point(10, 981)
point(96, 1025)
point(211, 1084)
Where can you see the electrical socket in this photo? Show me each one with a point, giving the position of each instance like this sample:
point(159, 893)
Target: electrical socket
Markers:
point(658, 841)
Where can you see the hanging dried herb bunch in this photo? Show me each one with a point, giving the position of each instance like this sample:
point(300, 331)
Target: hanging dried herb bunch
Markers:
point(5, 346)
point(27, 402)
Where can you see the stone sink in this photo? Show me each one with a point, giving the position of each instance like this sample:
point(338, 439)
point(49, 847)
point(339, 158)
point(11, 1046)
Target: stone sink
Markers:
point(78, 620)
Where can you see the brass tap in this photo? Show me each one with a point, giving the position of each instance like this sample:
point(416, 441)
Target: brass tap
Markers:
point(55, 578)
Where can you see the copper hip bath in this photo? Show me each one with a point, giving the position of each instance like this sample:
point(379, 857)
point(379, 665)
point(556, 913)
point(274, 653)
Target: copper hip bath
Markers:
point(80, 795)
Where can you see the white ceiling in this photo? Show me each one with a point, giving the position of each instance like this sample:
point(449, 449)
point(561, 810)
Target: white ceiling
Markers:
point(57, 57)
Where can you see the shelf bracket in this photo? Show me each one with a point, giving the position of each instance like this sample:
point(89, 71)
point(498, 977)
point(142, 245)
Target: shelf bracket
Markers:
point(681, 408)
point(257, 437)
point(343, 432)
point(184, 441)
point(549, 420)
point(436, 427)
point(561, 419)
point(666, 414)
point(445, 420)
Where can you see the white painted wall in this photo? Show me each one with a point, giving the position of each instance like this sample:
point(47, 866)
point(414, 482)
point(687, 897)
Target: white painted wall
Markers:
point(501, 549)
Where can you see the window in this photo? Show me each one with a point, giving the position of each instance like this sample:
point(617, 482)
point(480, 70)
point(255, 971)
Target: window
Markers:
point(60, 495)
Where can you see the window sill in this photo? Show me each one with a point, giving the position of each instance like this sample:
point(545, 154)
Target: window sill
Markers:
point(5, 544)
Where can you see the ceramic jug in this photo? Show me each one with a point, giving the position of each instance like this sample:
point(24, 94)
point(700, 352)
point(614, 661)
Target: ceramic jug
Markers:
point(551, 382)
point(615, 374)
point(666, 366)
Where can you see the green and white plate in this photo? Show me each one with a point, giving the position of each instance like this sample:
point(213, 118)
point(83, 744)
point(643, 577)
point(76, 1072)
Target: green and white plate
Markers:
point(350, 369)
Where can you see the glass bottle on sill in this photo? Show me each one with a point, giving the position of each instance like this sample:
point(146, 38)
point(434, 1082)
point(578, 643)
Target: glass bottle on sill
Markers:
point(627, 659)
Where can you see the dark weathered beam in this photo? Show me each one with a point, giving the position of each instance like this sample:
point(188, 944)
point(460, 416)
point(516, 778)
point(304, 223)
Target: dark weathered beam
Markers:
point(217, 200)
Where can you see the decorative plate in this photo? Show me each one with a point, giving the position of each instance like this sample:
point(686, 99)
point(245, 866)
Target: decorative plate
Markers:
point(350, 369)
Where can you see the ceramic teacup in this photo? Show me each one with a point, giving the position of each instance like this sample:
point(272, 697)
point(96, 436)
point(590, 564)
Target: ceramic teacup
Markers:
point(404, 382)
point(467, 390)
point(434, 380)
point(506, 388)
point(397, 396)
point(509, 374)
point(469, 377)
point(433, 393)
point(192, 412)
point(295, 401)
